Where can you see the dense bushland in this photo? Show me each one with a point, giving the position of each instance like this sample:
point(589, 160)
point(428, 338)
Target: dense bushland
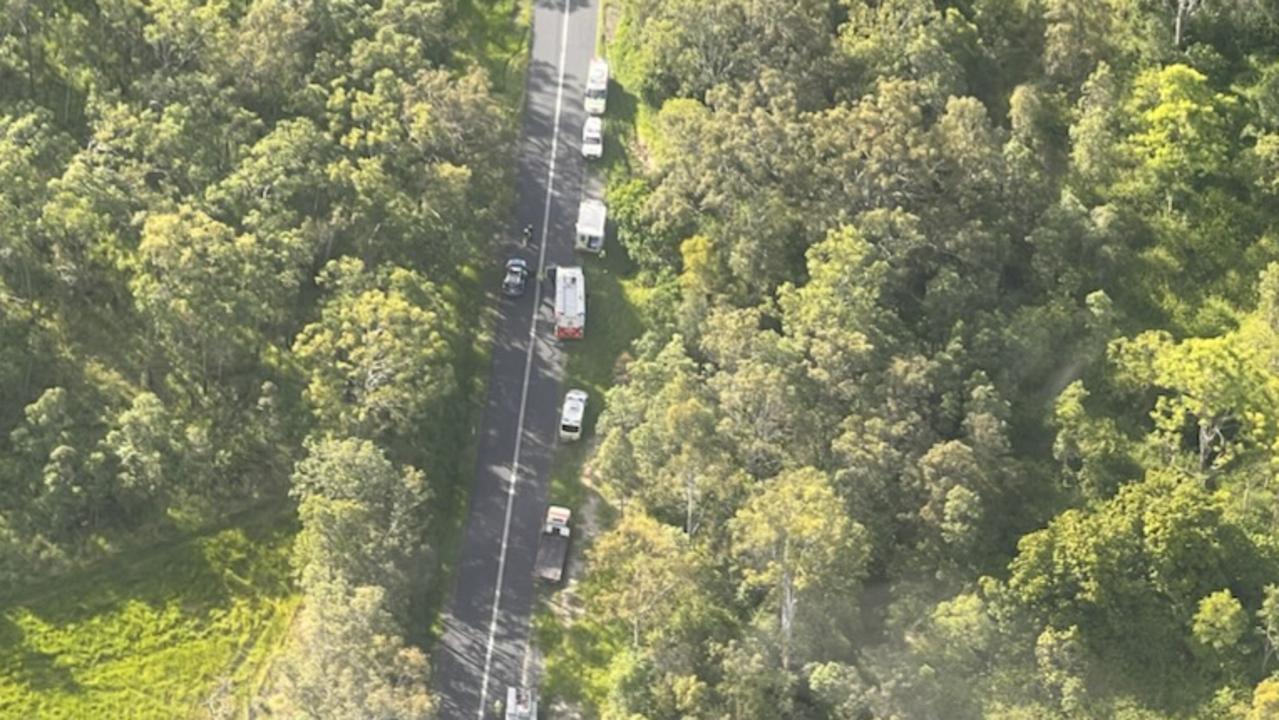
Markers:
point(238, 238)
point(963, 403)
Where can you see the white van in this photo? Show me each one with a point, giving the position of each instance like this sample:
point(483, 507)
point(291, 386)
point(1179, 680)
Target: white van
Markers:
point(571, 415)
point(597, 87)
point(592, 216)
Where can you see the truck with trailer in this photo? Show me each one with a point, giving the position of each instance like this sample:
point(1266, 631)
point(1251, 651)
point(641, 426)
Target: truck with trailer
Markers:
point(592, 216)
point(552, 549)
point(570, 303)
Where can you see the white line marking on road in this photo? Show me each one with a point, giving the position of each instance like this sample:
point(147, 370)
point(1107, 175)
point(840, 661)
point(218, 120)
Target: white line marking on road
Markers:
point(528, 366)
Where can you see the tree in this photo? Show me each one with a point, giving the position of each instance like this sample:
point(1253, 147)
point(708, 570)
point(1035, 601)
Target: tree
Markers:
point(1211, 384)
point(641, 572)
point(1059, 655)
point(835, 317)
point(1268, 623)
point(210, 295)
point(379, 356)
point(1220, 622)
point(361, 516)
point(787, 541)
point(350, 662)
point(1181, 132)
point(1092, 451)
point(1265, 700)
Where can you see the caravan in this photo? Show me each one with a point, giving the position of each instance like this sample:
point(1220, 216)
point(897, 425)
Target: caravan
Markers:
point(570, 303)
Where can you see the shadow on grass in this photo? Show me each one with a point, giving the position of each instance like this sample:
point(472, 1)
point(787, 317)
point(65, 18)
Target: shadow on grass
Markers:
point(39, 671)
point(213, 566)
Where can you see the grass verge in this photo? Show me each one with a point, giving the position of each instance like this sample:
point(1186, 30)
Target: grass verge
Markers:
point(576, 651)
point(614, 304)
point(180, 630)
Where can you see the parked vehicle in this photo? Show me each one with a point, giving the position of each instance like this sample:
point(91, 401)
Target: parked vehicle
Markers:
point(516, 279)
point(552, 551)
point(597, 86)
point(592, 218)
point(593, 138)
point(571, 415)
point(570, 303)
point(521, 704)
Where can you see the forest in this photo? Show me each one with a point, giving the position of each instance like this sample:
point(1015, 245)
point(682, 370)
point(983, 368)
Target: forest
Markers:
point(241, 244)
point(958, 393)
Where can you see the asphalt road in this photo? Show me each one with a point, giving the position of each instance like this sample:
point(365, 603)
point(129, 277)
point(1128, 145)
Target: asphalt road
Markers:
point(484, 648)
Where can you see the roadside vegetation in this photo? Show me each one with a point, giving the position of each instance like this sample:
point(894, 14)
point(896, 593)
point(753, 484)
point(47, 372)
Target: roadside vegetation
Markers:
point(955, 396)
point(242, 270)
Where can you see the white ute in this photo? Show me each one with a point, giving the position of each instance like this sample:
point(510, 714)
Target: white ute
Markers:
point(596, 87)
point(572, 414)
point(593, 138)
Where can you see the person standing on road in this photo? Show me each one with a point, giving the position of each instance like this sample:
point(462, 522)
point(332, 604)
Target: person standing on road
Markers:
point(528, 234)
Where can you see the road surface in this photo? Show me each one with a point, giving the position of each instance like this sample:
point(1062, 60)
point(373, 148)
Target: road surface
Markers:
point(484, 647)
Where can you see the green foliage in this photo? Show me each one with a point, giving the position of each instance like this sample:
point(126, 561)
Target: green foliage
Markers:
point(378, 359)
point(193, 621)
point(1220, 622)
point(989, 271)
point(174, 176)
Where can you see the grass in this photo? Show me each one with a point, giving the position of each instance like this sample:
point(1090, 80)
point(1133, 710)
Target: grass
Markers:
point(614, 305)
point(578, 668)
point(153, 634)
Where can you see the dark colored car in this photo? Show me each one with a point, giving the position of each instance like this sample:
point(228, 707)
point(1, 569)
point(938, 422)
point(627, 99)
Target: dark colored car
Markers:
point(516, 279)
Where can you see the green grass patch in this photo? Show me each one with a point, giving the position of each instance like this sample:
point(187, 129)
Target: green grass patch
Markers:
point(614, 308)
point(575, 667)
point(153, 634)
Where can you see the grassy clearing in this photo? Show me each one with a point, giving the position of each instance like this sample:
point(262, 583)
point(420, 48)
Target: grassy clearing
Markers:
point(575, 671)
point(153, 634)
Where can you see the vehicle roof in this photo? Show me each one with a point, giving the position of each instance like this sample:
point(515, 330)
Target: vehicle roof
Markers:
point(558, 513)
point(591, 216)
point(594, 125)
point(598, 73)
point(574, 405)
